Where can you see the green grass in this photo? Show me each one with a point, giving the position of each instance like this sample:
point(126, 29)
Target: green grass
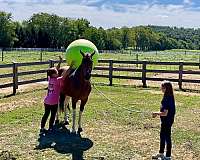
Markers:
point(115, 132)
point(28, 56)
point(168, 55)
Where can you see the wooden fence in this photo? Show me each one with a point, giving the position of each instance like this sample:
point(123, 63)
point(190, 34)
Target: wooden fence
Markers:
point(108, 65)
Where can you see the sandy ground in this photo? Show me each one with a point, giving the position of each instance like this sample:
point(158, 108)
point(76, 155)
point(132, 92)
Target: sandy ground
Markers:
point(8, 106)
point(189, 86)
point(23, 88)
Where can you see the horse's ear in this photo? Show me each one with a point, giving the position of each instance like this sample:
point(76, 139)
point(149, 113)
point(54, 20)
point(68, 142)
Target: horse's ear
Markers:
point(92, 54)
point(82, 53)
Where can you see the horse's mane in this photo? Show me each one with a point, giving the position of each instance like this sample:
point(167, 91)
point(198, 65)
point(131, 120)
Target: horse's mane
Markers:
point(64, 68)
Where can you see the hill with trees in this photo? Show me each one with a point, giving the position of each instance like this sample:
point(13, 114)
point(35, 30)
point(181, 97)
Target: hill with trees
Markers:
point(43, 30)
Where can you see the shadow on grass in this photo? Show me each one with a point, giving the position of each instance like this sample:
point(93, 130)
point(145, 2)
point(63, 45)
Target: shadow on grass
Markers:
point(62, 141)
point(6, 96)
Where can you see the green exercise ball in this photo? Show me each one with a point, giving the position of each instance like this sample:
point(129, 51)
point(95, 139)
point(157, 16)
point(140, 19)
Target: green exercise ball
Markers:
point(73, 52)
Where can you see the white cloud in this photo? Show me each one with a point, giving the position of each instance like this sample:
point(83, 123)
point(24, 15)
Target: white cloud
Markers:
point(130, 15)
point(90, 1)
point(188, 2)
point(162, 16)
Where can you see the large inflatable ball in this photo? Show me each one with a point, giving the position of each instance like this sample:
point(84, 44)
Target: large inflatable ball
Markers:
point(73, 52)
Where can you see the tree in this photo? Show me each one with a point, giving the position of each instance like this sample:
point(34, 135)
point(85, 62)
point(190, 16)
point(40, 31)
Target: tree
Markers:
point(125, 37)
point(7, 30)
point(45, 30)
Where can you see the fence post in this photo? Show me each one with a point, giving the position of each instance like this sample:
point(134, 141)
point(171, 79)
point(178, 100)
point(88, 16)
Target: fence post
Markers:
point(199, 61)
point(180, 75)
point(2, 55)
point(110, 71)
point(51, 64)
point(41, 55)
point(144, 66)
point(137, 59)
point(15, 77)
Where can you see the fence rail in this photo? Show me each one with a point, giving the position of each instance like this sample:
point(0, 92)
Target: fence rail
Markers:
point(110, 68)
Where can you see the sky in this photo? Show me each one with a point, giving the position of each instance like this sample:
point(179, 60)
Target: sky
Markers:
point(112, 13)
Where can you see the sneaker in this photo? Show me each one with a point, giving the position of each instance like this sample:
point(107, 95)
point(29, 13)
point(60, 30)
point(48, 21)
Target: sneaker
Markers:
point(43, 130)
point(51, 130)
point(159, 155)
point(56, 122)
point(167, 158)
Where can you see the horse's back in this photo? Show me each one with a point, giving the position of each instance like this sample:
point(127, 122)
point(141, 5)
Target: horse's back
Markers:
point(61, 70)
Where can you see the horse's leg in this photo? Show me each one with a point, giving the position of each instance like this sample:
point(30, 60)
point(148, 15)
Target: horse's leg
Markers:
point(60, 107)
point(61, 101)
point(66, 108)
point(74, 101)
point(57, 116)
point(83, 102)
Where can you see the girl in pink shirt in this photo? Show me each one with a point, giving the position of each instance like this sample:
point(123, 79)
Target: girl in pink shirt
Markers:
point(52, 98)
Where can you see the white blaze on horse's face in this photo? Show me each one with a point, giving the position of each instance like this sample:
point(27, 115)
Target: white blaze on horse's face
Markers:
point(87, 64)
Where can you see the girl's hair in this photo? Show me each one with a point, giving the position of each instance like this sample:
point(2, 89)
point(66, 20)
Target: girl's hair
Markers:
point(168, 88)
point(51, 71)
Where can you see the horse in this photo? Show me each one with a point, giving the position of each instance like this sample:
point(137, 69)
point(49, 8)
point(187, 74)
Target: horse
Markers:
point(78, 87)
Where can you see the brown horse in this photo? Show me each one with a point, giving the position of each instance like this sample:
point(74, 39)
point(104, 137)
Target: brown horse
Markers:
point(78, 86)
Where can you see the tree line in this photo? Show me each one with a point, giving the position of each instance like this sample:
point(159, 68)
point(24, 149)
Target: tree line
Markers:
point(43, 30)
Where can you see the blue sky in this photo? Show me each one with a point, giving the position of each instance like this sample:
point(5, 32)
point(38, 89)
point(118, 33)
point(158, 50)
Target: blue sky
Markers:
point(112, 13)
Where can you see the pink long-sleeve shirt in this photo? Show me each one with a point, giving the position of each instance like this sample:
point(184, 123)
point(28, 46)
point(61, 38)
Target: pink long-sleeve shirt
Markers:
point(53, 93)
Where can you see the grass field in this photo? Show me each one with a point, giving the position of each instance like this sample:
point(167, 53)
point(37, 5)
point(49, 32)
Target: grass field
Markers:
point(168, 55)
point(110, 132)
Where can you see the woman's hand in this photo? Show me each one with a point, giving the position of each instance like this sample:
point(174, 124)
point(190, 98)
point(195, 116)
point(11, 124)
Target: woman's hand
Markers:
point(154, 114)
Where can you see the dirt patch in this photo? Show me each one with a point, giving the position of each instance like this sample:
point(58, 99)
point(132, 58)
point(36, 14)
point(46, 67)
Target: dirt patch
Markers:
point(6, 155)
point(25, 87)
point(23, 102)
point(20, 103)
point(175, 92)
point(132, 143)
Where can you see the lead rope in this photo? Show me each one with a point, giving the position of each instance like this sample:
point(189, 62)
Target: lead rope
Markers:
point(114, 103)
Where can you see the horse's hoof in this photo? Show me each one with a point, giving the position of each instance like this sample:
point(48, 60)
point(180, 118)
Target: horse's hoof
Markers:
point(68, 131)
point(80, 130)
point(66, 123)
point(57, 122)
point(73, 133)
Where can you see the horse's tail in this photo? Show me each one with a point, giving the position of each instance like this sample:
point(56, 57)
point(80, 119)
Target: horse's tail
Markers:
point(62, 102)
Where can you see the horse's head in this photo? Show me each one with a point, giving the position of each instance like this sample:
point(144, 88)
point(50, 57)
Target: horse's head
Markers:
point(86, 64)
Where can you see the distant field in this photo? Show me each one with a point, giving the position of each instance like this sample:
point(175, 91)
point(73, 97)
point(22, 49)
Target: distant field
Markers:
point(169, 55)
